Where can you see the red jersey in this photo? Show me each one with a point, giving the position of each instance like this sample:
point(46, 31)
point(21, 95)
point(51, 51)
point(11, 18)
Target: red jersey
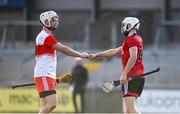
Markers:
point(129, 42)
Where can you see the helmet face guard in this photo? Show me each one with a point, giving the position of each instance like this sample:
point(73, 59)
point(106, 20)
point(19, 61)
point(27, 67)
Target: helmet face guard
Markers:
point(128, 24)
point(46, 18)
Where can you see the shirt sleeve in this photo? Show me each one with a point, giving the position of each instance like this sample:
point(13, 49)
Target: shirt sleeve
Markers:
point(50, 41)
point(132, 42)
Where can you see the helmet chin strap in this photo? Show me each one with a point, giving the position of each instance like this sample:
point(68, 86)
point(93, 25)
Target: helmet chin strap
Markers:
point(50, 28)
point(126, 33)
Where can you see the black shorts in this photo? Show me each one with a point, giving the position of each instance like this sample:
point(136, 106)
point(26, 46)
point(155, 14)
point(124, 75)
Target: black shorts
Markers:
point(46, 93)
point(133, 87)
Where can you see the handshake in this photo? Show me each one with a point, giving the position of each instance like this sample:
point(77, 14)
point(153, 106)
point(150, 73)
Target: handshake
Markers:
point(89, 56)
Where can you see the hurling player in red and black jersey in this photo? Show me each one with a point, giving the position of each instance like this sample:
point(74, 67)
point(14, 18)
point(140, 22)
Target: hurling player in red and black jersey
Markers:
point(132, 53)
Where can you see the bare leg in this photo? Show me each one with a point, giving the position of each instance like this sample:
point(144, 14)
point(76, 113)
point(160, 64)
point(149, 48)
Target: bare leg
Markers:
point(130, 105)
point(42, 103)
point(50, 104)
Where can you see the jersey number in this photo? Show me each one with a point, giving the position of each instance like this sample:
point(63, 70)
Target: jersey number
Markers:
point(140, 54)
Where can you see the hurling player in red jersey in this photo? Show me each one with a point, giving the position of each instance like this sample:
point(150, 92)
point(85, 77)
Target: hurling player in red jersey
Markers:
point(46, 61)
point(132, 53)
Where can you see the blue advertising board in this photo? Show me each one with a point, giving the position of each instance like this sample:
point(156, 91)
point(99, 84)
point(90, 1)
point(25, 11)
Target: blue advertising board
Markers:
point(13, 3)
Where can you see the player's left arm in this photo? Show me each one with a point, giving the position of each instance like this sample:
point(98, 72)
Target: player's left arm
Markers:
point(130, 63)
point(132, 59)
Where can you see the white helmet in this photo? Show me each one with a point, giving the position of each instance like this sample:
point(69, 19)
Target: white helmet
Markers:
point(47, 16)
point(128, 24)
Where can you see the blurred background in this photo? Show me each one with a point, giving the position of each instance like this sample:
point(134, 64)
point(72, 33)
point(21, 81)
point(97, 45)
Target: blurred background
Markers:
point(92, 26)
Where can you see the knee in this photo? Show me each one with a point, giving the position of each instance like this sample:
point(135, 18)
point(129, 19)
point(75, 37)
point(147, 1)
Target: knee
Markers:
point(47, 108)
point(53, 106)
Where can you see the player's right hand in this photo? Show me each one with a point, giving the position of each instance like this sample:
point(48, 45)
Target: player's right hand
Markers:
point(123, 79)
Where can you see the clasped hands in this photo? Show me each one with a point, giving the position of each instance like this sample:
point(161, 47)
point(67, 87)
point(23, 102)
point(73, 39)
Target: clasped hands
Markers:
point(89, 56)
